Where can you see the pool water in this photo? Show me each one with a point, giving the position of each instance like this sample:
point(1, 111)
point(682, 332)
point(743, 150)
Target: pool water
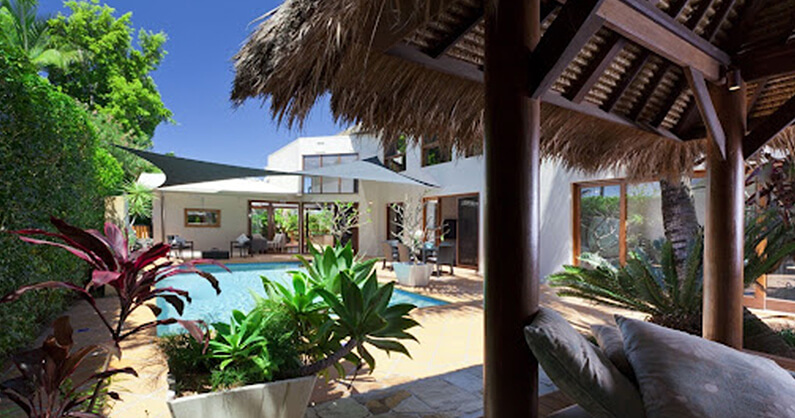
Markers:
point(236, 289)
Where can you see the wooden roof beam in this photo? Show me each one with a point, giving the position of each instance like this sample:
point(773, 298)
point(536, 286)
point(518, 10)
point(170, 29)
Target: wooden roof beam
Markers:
point(763, 63)
point(658, 32)
point(394, 25)
point(462, 29)
point(706, 108)
point(769, 128)
point(574, 26)
point(590, 75)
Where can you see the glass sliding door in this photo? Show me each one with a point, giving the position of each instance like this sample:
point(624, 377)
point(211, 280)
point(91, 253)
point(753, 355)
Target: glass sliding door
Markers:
point(467, 236)
point(599, 224)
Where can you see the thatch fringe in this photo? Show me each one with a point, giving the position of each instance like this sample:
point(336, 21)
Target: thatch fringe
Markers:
point(310, 48)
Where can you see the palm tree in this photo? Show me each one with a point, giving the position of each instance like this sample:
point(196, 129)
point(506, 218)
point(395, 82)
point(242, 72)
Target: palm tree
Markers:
point(139, 201)
point(21, 26)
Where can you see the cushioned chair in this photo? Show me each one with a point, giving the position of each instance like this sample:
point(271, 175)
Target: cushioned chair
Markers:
point(388, 252)
point(278, 243)
point(404, 253)
point(180, 244)
point(445, 256)
point(259, 244)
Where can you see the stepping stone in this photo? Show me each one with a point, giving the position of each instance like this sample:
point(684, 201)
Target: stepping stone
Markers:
point(439, 394)
point(412, 405)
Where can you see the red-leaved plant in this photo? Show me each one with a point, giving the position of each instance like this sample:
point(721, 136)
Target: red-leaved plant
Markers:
point(134, 276)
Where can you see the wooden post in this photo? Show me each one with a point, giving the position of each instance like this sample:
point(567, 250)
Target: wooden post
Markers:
point(724, 232)
point(301, 232)
point(512, 128)
point(271, 232)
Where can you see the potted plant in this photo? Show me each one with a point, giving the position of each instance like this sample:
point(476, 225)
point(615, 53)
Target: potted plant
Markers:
point(412, 234)
point(264, 363)
point(46, 385)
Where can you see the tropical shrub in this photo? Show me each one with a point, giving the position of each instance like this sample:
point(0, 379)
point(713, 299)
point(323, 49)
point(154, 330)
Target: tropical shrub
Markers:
point(669, 299)
point(133, 275)
point(335, 311)
point(48, 148)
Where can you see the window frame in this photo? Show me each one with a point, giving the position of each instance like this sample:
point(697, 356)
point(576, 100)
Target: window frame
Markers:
point(216, 224)
point(445, 153)
point(323, 157)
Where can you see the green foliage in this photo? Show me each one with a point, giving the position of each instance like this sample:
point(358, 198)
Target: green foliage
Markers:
point(48, 149)
point(114, 77)
point(20, 26)
point(286, 221)
point(240, 345)
point(671, 300)
point(109, 172)
point(788, 334)
point(364, 315)
point(187, 361)
point(326, 267)
point(639, 286)
point(139, 200)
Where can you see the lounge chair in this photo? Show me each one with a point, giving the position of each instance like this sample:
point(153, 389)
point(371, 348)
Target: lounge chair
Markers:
point(243, 242)
point(389, 254)
point(404, 253)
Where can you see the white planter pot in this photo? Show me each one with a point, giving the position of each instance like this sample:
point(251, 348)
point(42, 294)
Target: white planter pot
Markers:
point(409, 274)
point(282, 399)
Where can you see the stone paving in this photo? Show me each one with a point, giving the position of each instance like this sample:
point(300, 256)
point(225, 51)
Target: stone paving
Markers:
point(454, 394)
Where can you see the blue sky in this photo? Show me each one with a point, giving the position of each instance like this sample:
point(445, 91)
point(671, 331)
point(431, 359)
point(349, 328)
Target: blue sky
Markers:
point(196, 77)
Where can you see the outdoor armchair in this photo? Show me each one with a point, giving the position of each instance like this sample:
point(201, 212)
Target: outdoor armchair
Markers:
point(279, 242)
point(389, 254)
point(404, 253)
point(259, 244)
point(445, 256)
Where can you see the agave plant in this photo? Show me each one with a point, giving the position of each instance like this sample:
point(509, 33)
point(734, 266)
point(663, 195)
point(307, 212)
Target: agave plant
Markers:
point(134, 276)
point(46, 387)
point(340, 310)
point(239, 343)
point(668, 299)
point(325, 267)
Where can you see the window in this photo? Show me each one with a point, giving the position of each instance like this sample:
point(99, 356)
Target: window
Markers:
point(614, 218)
point(434, 153)
point(395, 155)
point(317, 184)
point(394, 223)
point(203, 218)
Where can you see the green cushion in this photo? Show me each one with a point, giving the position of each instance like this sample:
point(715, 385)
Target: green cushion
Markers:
point(681, 375)
point(580, 369)
point(610, 341)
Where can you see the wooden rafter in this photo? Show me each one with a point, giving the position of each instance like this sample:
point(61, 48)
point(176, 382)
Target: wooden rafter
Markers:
point(632, 73)
point(646, 91)
point(783, 117)
point(709, 34)
point(670, 100)
point(467, 23)
point(758, 92)
point(706, 108)
point(397, 24)
point(576, 23)
point(597, 66)
point(660, 33)
point(687, 121)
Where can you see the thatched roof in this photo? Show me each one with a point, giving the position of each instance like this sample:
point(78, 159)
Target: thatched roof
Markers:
point(647, 119)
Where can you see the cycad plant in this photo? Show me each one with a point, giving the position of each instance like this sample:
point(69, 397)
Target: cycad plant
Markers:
point(658, 290)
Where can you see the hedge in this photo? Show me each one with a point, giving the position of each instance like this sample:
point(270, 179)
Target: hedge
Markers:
point(48, 157)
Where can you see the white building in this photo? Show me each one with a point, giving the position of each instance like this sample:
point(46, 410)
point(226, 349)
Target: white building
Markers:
point(214, 213)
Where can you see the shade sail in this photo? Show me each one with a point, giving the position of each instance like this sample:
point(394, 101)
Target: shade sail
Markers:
point(367, 169)
point(186, 171)
point(181, 171)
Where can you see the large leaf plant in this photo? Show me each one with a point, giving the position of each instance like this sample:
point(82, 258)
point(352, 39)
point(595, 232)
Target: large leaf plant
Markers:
point(658, 291)
point(46, 387)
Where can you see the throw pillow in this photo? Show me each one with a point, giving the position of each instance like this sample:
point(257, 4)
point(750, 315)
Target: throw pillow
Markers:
point(580, 369)
point(610, 341)
point(682, 375)
point(242, 239)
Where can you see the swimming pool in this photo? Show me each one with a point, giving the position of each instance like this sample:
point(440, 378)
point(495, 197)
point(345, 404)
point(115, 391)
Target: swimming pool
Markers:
point(236, 288)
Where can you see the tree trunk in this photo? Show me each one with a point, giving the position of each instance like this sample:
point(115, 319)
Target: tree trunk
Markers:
point(679, 218)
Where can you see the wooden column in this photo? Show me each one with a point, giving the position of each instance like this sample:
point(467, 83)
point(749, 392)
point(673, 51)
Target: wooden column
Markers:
point(512, 131)
point(271, 232)
point(301, 232)
point(724, 229)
